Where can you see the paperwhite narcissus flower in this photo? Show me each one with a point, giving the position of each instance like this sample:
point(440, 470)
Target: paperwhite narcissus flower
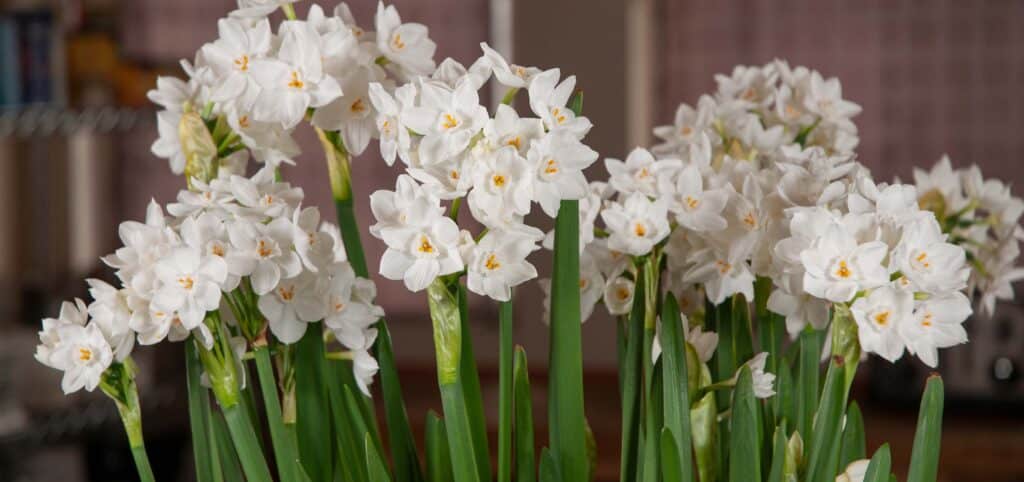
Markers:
point(502, 182)
point(291, 305)
point(704, 343)
point(419, 254)
point(855, 472)
point(723, 274)
point(639, 173)
point(637, 225)
point(763, 381)
point(930, 263)
point(405, 45)
point(263, 252)
point(352, 114)
point(191, 284)
point(364, 368)
point(230, 58)
point(314, 247)
point(510, 75)
point(800, 310)
point(295, 80)
point(508, 129)
point(694, 207)
point(83, 354)
point(394, 136)
point(937, 323)
point(549, 99)
point(111, 313)
point(591, 288)
point(689, 127)
point(350, 309)
point(260, 196)
point(558, 161)
point(209, 234)
point(837, 266)
point(879, 316)
point(618, 295)
point(498, 263)
point(446, 118)
point(71, 313)
point(258, 8)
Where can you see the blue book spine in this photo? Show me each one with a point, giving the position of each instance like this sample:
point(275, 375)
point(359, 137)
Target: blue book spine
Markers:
point(10, 63)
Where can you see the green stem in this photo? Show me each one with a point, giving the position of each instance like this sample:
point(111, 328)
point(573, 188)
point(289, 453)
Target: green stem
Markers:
point(510, 95)
point(285, 454)
point(199, 414)
point(131, 415)
point(244, 436)
point(289, 11)
point(505, 392)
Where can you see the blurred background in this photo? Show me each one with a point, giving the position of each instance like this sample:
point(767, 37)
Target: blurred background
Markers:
point(933, 77)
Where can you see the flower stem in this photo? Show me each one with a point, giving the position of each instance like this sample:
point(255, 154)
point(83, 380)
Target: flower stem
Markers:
point(285, 454)
point(505, 392)
point(119, 384)
point(289, 11)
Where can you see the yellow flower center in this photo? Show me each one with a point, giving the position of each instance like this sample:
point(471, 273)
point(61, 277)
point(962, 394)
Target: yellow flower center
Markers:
point(425, 246)
point(186, 282)
point(516, 142)
point(242, 63)
point(558, 115)
point(296, 82)
point(263, 250)
point(84, 354)
point(491, 263)
point(750, 220)
point(243, 122)
point(286, 293)
point(623, 294)
point(551, 167)
point(640, 230)
point(217, 250)
point(454, 175)
point(927, 321)
point(358, 106)
point(723, 266)
point(498, 180)
point(882, 318)
point(397, 42)
point(843, 271)
point(922, 260)
point(450, 122)
point(691, 202)
point(686, 131)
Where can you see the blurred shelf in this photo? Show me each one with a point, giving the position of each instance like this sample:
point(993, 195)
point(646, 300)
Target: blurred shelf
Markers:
point(45, 120)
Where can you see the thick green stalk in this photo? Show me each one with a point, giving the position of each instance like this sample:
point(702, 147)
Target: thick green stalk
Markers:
point(567, 431)
point(446, 318)
point(505, 348)
point(808, 380)
point(631, 378)
point(523, 406)
point(745, 426)
point(248, 447)
point(924, 457)
point(676, 404)
point(285, 453)
point(119, 383)
point(312, 403)
point(199, 414)
point(469, 378)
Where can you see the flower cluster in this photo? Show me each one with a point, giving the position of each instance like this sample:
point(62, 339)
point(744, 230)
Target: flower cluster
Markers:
point(260, 84)
point(243, 246)
point(454, 150)
point(981, 216)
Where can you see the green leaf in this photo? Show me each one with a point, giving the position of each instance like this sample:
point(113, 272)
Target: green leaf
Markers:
point(828, 421)
point(651, 449)
point(567, 432)
point(313, 416)
point(460, 439)
point(469, 378)
point(880, 466)
point(808, 379)
point(226, 457)
point(784, 403)
point(724, 360)
point(778, 454)
point(631, 377)
point(670, 469)
point(676, 403)
point(355, 419)
point(853, 437)
point(549, 471)
point(285, 453)
point(403, 447)
point(439, 462)
point(243, 435)
point(744, 441)
point(924, 458)
point(576, 103)
point(742, 339)
point(704, 420)
point(523, 406)
point(505, 387)
point(199, 414)
point(374, 465)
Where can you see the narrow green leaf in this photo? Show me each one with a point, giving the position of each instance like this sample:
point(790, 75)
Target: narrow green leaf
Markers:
point(549, 471)
point(808, 379)
point(651, 450)
point(403, 447)
point(744, 441)
point(567, 432)
point(313, 416)
point(880, 466)
point(670, 461)
point(576, 103)
point(199, 414)
point(469, 378)
point(523, 405)
point(704, 421)
point(285, 453)
point(784, 403)
point(825, 436)
point(460, 439)
point(439, 462)
point(505, 388)
point(676, 403)
point(243, 435)
point(226, 457)
point(724, 359)
point(374, 465)
point(924, 458)
point(778, 454)
point(631, 377)
point(854, 446)
point(355, 419)
point(743, 338)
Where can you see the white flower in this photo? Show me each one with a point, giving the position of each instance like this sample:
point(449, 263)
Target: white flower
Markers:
point(406, 45)
point(295, 80)
point(937, 323)
point(618, 295)
point(83, 354)
point(558, 161)
point(394, 137)
point(230, 58)
point(409, 202)
point(825, 98)
point(168, 144)
point(930, 263)
point(352, 114)
point(502, 182)
point(350, 309)
point(190, 284)
point(694, 207)
point(637, 225)
point(110, 312)
point(446, 118)
point(800, 310)
point(209, 234)
point(510, 75)
point(942, 182)
point(452, 73)
point(263, 252)
point(315, 248)
point(689, 127)
point(591, 288)
point(879, 316)
point(548, 99)
point(723, 273)
point(854, 472)
point(703, 342)
point(364, 368)
point(639, 173)
point(293, 304)
point(75, 314)
point(498, 263)
point(154, 324)
point(837, 266)
point(508, 129)
point(763, 381)
point(261, 196)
